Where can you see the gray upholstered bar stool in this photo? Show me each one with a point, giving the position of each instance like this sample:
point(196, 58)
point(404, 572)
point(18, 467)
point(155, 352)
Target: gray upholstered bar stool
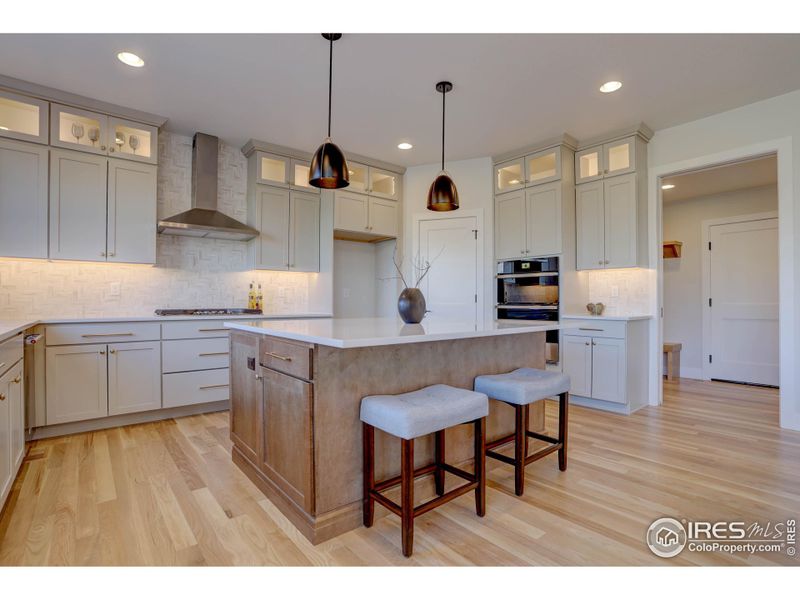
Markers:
point(415, 414)
point(520, 389)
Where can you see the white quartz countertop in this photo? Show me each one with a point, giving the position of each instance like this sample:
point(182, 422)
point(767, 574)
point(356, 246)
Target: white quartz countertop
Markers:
point(388, 331)
point(608, 317)
point(11, 327)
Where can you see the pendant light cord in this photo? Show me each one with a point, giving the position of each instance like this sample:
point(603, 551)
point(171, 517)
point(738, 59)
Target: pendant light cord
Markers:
point(330, 87)
point(443, 95)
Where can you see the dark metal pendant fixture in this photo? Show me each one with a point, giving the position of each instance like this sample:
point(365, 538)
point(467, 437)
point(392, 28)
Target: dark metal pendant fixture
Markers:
point(328, 166)
point(443, 194)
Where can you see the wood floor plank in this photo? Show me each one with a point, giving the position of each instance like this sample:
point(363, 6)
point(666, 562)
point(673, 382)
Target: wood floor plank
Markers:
point(167, 493)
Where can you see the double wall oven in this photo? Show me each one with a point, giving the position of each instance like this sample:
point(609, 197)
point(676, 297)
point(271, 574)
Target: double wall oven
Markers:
point(528, 290)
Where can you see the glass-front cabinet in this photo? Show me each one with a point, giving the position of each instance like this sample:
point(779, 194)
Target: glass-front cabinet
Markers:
point(589, 164)
point(135, 141)
point(607, 160)
point(544, 166)
point(359, 177)
point(273, 169)
point(383, 183)
point(78, 129)
point(509, 175)
point(300, 174)
point(23, 118)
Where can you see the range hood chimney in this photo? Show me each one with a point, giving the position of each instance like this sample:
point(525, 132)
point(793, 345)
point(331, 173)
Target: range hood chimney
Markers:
point(203, 219)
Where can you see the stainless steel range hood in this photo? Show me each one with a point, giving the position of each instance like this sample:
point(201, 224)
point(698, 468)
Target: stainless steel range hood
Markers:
point(203, 219)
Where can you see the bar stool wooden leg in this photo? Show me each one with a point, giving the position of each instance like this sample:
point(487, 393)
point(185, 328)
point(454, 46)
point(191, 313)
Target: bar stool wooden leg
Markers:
point(480, 466)
point(368, 435)
point(407, 495)
point(520, 443)
point(563, 412)
point(438, 474)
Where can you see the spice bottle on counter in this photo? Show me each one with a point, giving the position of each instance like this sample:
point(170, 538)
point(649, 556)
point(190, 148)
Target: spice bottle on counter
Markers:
point(260, 299)
point(251, 297)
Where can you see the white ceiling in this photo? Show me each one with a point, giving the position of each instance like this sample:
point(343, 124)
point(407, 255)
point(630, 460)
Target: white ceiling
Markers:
point(510, 90)
point(725, 178)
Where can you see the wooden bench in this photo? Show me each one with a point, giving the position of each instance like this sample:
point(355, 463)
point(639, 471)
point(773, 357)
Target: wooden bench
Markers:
point(672, 356)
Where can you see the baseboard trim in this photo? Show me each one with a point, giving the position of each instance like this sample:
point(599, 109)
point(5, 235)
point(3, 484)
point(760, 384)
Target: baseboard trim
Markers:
point(50, 431)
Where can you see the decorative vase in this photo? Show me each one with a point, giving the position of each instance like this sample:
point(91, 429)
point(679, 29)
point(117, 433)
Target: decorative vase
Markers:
point(411, 305)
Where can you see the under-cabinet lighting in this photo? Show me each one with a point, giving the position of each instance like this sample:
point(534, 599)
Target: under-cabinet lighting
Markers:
point(668, 186)
point(130, 59)
point(610, 86)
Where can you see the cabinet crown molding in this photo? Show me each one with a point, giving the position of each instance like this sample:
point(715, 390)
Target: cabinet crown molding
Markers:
point(641, 130)
point(565, 140)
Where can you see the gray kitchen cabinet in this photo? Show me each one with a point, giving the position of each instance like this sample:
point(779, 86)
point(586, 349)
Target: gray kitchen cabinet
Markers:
point(590, 225)
point(350, 211)
point(528, 222)
point(304, 231)
point(383, 217)
point(23, 118)
point(77, 383)
point(132, 208)
point(23, 199)
point(510, 225)
point(12, 436)
point(134, 377)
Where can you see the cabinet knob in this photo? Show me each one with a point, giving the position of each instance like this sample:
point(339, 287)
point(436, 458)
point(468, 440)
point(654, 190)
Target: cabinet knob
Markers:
point(111, 149)
point(587, 343)
point(16, 380)
point(102, 147)
point(112, 253)
point(113, 351)
point(599, 262)
point(102, 254)
point(594, 343)
point(2, 397)
point(102, 352)
point(606, 262)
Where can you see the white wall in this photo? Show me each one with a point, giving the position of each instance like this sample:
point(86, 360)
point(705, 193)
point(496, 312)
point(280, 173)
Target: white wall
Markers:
point(473, 180)
point(683, 299)
point(757, 128)
point(189, 272)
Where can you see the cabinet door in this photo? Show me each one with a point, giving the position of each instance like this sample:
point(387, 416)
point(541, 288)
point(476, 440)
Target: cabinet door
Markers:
point(589, 164)
point(273, 223)
point(77, 383)
point(77, 205)
point(359, 177)
point(273, 169)
point(350, 212)
point(619, 157)
point(510, 239)
point(304, 235)
point(23, 118)
point(6, 460)
point(619, 195)
point(383, 183)
point(576, 356)
point(23, 199)
point(246, 393)
point(16, 397)
point(287, 447)
point(544, 166)
point(608, 369)
point(132, 207)
point(78, 129)
point(509, 176)
point(299, 175)
point(134, 377)
point(383, 217)
point(590, 225)
point(132, 141)
point(543, 209)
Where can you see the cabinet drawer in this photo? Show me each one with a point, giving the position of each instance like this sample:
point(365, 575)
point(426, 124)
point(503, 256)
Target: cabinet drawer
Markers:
point(182, 330)
point(101, 333)
point(598, 329)
point(10, 353)
point(195, 355)
point(292, 358)
point(197, 387)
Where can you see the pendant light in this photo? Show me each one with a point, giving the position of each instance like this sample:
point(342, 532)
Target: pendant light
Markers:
point(443, 194)
point(328, 166)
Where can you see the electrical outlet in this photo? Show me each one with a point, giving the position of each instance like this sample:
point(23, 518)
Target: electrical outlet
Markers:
point(115, 289)
point(615, 291)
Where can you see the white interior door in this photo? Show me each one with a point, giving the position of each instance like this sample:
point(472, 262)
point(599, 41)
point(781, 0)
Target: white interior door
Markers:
point(744, 301)
point(451, 286)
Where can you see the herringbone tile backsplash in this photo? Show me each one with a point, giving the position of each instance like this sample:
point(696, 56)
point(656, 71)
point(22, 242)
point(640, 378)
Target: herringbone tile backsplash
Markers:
point(188, 272)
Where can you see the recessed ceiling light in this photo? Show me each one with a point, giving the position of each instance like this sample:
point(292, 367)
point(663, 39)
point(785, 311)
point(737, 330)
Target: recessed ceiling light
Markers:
point(130, 59)
point(667, 186)
point(610, 86)
point(405, 146)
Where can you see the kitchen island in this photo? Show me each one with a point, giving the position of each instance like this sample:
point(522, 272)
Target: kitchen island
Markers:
point(296, 390)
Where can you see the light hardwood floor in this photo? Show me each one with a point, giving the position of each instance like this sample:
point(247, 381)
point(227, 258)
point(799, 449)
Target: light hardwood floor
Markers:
point(167, 494)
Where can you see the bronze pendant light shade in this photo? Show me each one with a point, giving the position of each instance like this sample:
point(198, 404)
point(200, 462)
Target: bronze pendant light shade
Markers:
point(328, 166)
point(443, 195)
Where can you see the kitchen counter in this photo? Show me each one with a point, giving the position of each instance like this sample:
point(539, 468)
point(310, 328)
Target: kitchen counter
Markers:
point(388, 331)
point(11, 327)
point(608, 317)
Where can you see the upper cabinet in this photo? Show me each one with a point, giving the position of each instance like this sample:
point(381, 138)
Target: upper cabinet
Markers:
point(23, 118)
point(383, 183)
point(538, 167)
point(283, 171)
point(607, 160)
point(509, 176)
point(97, 133)
point(359, 177)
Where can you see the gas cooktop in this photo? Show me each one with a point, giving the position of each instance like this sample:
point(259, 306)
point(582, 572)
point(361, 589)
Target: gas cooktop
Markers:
point(175, 312)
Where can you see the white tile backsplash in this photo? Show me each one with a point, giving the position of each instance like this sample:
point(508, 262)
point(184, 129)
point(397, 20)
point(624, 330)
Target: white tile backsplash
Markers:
point(188, 272)
point(632, 290)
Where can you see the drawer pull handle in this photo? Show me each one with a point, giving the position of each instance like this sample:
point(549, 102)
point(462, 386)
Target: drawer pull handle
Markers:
point(212, 353)
point(2, 365)
point(217, 385)
point(87, 335)
point(279, 357)
point(590, 329)
point(214, 329)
